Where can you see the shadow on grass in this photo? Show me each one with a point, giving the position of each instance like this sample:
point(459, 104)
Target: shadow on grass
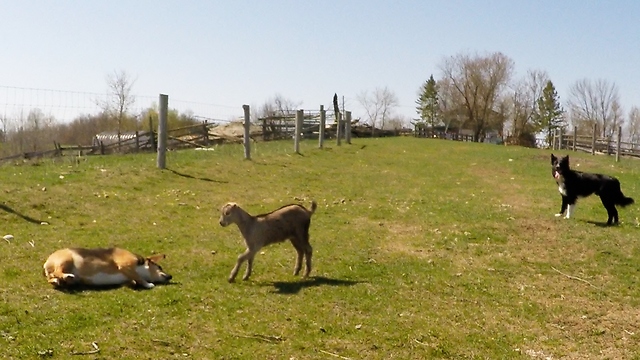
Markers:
point(77, 289)
point(599, 223)
point(294, 287)
point(193, 177)
point(25, 217)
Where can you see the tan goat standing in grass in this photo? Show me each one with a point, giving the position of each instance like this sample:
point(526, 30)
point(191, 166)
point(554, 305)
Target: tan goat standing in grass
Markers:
point(290, 222)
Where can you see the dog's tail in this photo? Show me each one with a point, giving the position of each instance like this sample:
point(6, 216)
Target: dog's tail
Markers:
point(624, 201)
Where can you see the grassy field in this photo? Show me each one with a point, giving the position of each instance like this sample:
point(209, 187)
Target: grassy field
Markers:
point(423, 249)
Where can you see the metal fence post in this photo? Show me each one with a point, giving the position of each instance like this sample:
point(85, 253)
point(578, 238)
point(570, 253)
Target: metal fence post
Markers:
point(162, 131)
point(247, 129)
point(323, 121)
point(298, 129)
point(347, 131)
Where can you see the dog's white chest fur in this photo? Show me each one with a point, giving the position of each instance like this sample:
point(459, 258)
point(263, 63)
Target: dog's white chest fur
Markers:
point(562, 188)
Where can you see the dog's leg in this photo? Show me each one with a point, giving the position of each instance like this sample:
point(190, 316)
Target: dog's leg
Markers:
point(241, 258)
point(563, 208)
point(570, 209)
point(133, 275)
point(612, 212)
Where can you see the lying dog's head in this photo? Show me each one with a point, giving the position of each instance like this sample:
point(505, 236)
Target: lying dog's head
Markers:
point(559, 167)
point(151, 271)
point(227, 215)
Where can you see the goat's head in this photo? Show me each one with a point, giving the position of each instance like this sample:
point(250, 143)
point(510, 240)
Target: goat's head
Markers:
point(227, 215)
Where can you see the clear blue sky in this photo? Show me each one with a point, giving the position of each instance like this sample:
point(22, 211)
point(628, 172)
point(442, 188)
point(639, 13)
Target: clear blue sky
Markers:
point(229, 53)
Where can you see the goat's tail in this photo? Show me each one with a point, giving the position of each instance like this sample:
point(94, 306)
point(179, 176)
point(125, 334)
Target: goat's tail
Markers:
point(314, 206)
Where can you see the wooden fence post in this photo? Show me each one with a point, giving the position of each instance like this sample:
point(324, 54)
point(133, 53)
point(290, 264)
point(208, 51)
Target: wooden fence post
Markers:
point(247, 130)
point(298, 129)
point(205, 133)
point(618, 143)
point(593, 140)
point(137, 141)
point(347, 131)
point(575, 137)
point(555, 139)
point(152, 134)
point(560, 138)
point(323, 121)
point(162, 131)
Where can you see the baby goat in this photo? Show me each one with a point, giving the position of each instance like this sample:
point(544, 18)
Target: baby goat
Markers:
point(290, 222)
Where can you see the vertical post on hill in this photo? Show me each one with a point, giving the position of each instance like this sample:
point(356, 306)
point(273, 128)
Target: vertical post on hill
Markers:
point(347, 130)
point(593, 139)
point(323, 121)
point(162, 131)
point(618, 143)
point(555, 139)
point(338, 128)
point(247, 128)
point(575, 137)
point(560, 138)
point(336, 111)
point(296, 138)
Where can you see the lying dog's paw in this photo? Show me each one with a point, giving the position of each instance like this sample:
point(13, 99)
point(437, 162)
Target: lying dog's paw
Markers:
point(148, 285)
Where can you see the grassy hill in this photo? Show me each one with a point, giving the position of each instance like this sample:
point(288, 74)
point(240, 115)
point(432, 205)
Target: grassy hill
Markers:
point(422, 249)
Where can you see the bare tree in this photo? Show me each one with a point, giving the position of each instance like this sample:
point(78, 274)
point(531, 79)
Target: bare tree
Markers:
point(595, 103)
point(633, 125)
point(279, 106)
point(523, 103)
point(120, 97)
point(449, 97)
point(479, 82)
point(378, 106)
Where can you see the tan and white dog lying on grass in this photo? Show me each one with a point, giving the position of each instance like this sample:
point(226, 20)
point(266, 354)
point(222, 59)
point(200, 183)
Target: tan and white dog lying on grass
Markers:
point(103, 267)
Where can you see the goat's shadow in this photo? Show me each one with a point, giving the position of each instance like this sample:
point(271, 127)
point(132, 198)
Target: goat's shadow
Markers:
point(294, 287)
point(197, 178)
point(25, 217)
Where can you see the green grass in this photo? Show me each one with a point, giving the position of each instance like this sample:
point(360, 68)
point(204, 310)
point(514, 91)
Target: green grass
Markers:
point(422, 249)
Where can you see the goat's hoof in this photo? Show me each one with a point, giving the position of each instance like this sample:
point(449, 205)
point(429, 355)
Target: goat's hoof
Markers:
point(231, 280)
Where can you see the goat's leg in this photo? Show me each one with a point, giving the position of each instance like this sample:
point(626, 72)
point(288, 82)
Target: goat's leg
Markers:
point(249, 266)
point(241, 258)
point(300, 255)
point(308, 252)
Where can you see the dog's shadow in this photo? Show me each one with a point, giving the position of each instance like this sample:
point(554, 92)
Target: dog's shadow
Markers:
point(294, 287)
point(600, 223)
point(80, 288)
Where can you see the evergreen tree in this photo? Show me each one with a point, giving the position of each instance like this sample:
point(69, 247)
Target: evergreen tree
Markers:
point(428, 102)
point(549, 114)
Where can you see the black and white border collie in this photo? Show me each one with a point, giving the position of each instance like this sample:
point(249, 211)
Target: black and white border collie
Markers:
point(573, 184)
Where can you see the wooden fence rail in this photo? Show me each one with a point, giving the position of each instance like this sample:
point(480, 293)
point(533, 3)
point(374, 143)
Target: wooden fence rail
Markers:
point(594, 144)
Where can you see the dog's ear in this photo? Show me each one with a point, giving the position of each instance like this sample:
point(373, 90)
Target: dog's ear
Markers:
point(566, 160)
point(155, 258)
point(554, 159)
